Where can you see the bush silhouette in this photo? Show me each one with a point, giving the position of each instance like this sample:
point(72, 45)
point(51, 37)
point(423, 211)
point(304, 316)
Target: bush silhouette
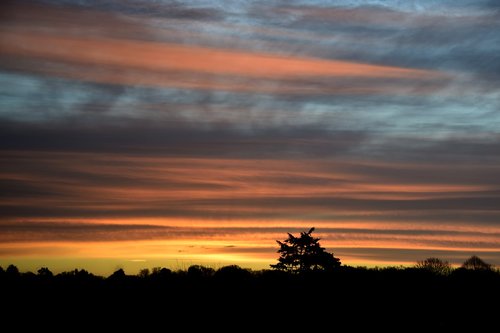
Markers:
point(303, 254)
point(12, 271)
point(476, 263)
point(232, 273)
point(144, 273)
point(434, 265)
point(161, 272)
point(45, 272)
point(118, 275)
point(199, 272)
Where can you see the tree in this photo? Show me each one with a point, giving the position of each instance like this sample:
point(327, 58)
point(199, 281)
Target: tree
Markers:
point(198, 271)
point(232, 274)
point(45, 272)
point(304, 254)
point(159, 273)
point(118, 275)
point(12, 271)
point(476, 263)
point(434, 265)
point(144, 273)
point(157, 270)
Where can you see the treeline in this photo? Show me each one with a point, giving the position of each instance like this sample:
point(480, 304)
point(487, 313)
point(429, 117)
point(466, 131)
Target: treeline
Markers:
point(355, 298)
point(474, 266)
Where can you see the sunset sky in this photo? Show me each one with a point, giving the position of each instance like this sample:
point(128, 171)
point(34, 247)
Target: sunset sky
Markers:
point(142, 133)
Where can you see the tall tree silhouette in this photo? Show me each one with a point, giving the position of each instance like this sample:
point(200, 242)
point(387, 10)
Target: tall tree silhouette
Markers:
point(476, 263)
point(303, 254)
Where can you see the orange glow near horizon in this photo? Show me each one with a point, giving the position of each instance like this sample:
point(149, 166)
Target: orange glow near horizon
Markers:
point(236, 242)
point(237, 190)
point(252, 252)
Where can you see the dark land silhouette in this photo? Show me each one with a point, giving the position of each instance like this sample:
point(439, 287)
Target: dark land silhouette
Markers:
point(430, 296)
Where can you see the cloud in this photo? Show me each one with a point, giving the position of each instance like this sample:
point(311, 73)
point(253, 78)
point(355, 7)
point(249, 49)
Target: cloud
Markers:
point(106, 56)
point(60, 231)
point(183, 139)
point(160, 9)
point(168, 65)
point(462, 38)
point(68, 184)
point(41, 231)
point(355, 245)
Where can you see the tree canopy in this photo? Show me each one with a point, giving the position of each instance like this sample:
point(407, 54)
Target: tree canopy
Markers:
point(476, 263)
point(303, 254)
point(435, 265)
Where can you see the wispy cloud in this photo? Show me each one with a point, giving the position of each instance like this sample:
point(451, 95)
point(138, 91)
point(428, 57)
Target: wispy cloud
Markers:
point(93, 185)
point(108, 57)
point(244, 242)
point(151, 64)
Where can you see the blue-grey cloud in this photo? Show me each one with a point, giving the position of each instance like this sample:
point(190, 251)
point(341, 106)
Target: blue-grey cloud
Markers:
point(160, 9)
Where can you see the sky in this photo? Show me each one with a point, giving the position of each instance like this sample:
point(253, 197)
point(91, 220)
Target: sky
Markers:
point(140, 133)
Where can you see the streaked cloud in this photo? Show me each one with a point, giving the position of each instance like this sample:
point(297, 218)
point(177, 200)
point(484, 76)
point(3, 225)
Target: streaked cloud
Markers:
point(91, 185)
point(109, 57)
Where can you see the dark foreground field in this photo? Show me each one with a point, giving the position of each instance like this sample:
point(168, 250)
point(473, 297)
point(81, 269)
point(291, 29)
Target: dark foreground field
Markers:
point(234, 299)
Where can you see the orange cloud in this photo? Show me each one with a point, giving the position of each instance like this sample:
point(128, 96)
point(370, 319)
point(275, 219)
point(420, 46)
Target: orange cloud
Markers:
point(157, 186)
point(251, 248)
point(116, 49)
point(172, 57)
point(132, 62)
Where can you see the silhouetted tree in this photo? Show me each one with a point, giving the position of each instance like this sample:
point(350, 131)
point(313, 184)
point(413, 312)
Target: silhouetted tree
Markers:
point(198, 271)
point(165, 272)
point(476, 263)
point(45, 272)
point(117, 275)
point(303, 254)
point(144, 273)
point(12, 271)
point(159, 273)
point(156, 270)
point(77, 275)
point(434, 265)
point(232, 273)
